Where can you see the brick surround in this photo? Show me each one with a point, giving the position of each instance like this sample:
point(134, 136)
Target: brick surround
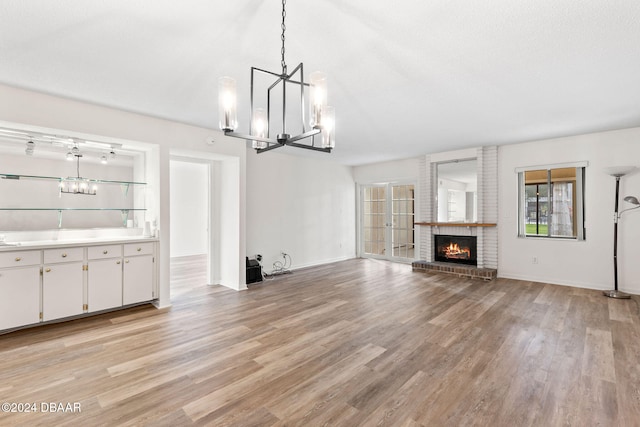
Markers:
point(487, 250)
point(459, 270)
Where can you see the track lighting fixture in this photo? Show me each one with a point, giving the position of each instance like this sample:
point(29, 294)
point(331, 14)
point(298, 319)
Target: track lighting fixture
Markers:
point(72, 153)
point(30, 148)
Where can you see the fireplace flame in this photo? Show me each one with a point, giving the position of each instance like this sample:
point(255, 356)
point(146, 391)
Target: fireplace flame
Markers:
point(455, 251)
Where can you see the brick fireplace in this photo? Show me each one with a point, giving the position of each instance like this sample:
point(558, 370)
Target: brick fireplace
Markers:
point(483, 231)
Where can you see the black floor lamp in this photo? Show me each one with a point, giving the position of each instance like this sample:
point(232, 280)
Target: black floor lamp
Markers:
point(619, 172)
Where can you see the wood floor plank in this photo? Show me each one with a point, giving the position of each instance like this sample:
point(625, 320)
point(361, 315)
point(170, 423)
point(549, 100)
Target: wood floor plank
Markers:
point(621, 310)
point(355, 343)
point(598, 359)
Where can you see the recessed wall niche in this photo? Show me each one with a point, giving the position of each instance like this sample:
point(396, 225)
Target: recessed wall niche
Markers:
point(31, 203)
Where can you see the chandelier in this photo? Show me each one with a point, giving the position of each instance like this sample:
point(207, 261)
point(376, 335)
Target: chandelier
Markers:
point(77, 184)
point(321, 116)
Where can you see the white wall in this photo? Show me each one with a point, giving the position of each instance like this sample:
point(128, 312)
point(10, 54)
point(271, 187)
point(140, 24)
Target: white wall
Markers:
point(189, 208)
point(37, 111)
point(586, 263)
point(392, 171)
point(302, 206)
point(232, 244)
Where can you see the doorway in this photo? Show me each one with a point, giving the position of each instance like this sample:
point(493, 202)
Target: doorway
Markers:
point(386, 221)
point(189, 225)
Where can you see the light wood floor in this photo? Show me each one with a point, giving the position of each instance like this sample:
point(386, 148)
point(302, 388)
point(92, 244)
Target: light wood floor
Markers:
point(356, 343)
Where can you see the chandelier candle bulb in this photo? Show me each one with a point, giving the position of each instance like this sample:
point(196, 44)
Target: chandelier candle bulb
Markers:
point(318, 98)
point(329, 128)
point(227, 104)
point(259, 127)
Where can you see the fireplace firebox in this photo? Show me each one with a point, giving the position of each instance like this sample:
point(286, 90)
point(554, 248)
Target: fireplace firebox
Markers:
point(456, 249)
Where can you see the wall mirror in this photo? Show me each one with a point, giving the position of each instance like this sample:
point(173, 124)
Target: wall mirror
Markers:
point(457, 191)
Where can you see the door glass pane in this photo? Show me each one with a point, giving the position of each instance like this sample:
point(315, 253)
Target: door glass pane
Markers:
point(373, 224)
point(402, 239)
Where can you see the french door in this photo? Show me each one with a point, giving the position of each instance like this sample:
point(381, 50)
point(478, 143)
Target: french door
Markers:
point(386, 221)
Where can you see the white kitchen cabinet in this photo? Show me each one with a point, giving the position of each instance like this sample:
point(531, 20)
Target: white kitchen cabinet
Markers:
point(19, 296)
point(19, 258)
point(137, 279)
point(104, 284)
point(62, 290)
point(61, 281)
point(104, 277)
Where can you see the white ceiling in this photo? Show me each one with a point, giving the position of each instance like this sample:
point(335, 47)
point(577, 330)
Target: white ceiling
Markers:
point(406, 77)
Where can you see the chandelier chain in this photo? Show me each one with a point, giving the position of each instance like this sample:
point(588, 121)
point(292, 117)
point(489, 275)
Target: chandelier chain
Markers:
point(284, 27)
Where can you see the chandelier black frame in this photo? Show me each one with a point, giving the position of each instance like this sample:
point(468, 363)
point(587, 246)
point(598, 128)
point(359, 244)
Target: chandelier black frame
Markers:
point(322, 116)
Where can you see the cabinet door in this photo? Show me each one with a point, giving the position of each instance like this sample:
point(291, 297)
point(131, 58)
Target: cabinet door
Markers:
point(137, 279)
point(62, 290)
point(19, 297)
point(104, 284)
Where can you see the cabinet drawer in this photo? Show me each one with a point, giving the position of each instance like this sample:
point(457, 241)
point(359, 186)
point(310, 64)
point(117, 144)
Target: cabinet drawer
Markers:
point(107, 251)
point(19, 258)
point(133, 249)
point(63, 255)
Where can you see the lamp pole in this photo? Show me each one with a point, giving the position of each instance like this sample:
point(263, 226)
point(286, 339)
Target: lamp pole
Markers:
point(615, 293)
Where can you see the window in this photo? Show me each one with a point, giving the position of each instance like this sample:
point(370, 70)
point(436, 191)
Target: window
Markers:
point(551, 202)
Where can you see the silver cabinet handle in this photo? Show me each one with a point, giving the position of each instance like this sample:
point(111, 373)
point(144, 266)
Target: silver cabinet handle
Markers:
point(126, 261)
point(48, 270)
point(18, 259)
point(105, 252)
point(64, 255)
point(139, 249)
point(118, 262)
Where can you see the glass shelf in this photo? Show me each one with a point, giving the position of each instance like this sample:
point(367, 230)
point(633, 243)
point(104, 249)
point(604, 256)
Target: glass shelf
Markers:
point(125, 186)
point(123, 211)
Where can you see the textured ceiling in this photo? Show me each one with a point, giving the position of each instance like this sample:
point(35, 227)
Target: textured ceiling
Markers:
point(406, 77)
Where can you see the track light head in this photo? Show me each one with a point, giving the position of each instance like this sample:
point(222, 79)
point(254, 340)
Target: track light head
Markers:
point(30, 148)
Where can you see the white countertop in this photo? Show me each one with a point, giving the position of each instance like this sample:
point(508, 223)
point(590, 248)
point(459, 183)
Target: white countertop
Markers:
point(48, 244)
